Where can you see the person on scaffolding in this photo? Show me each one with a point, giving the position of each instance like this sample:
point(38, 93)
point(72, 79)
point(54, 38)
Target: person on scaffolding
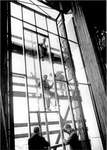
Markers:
point(47, 93)
point(43, 49)
point(73, 139)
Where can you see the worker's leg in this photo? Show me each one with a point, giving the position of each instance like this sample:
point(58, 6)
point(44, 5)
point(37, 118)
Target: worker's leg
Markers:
point(47, 100)
point(48, 103)
point(52, 98)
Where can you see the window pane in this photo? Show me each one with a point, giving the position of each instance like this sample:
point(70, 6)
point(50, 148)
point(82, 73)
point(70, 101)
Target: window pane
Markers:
point(20, 110)
point(30, 41)
point(70, 27)
point(18, 63)
point(28, 16)
point(80, 73)
point(16, 29)
point(16, 10)
point(52, 26)
point(21, 144)
point(34, 104)
point(96, 144)
point(41, 21)
point(33, 118)
point(54, 41)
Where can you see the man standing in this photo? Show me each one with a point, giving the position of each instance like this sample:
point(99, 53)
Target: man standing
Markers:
point(72, 140)
point(37, 142)
point(47, 93)
point(43, 51)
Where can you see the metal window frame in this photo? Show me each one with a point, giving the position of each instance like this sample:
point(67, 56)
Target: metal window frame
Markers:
point(23, 39)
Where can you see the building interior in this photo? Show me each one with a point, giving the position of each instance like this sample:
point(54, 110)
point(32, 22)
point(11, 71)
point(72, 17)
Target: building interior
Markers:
point(65, 42)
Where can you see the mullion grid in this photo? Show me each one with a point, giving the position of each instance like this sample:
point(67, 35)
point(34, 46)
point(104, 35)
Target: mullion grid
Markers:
point(41, 69)
point(56, 95)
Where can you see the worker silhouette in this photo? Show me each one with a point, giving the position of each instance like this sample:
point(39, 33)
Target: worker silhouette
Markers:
point(43, 49)
point(47, 93)
point(72, 140)
point(37, 142)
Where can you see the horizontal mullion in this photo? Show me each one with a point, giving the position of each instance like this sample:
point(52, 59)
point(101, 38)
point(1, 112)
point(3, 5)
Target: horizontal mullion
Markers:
point(34, 124)
point(62, 81)
point(35, 32)
point(22, 84)
point(19, 75)
point(19, 125)
point(43, 112)
point(79, 83)
point(76, 108)
point(23, 94)
point(43, 133)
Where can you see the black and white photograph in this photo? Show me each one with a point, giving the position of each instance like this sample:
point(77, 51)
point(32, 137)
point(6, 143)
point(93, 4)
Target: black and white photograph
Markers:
point(53, 75)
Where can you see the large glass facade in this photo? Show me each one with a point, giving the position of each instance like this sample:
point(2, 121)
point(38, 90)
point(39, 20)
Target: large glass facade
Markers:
point(47, 85)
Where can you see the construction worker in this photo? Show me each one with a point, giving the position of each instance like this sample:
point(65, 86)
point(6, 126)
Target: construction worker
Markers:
point(72, 140)
point(47, 93)
point(43, 49)
point(37, 142)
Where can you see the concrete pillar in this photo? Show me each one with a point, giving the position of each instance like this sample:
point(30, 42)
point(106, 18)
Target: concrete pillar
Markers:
point(92, 69)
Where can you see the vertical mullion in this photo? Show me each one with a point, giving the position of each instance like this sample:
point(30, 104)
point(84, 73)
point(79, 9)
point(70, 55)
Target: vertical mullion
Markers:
point(56, 95)
point(62, 58)
point(26, 83)
point(38, 113)
point(43, 96)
